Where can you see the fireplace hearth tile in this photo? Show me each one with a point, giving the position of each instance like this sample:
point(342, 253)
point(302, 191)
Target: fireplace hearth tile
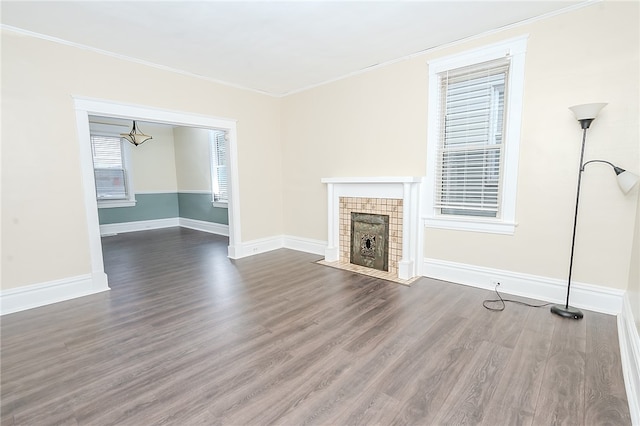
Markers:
point(346, 266)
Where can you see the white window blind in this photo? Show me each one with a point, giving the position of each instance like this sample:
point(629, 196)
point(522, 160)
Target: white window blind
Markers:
point(470, 146)
point(108, 165)
point(219, 166)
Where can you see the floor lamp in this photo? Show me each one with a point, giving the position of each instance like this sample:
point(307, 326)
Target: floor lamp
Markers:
point(585, 114)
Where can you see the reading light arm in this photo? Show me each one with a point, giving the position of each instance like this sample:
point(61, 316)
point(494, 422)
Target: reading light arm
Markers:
point(616, 169)
point(626, 180)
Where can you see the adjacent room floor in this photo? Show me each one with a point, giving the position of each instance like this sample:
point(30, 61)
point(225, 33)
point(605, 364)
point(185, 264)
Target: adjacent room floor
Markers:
point(187, 336)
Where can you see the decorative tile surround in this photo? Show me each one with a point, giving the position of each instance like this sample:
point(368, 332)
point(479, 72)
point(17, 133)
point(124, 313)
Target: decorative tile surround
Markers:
point(393, 196)
point(385, 206)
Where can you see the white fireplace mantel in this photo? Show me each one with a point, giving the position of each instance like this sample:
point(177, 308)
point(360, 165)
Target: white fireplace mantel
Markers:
point(405, 188)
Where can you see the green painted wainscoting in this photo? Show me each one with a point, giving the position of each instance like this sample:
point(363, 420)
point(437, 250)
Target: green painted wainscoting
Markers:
point(148, 207)
point(199, 207)
point(165, 206)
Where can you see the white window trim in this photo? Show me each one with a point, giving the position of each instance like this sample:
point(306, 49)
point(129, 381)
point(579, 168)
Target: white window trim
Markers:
point(105, 130)
point(224, 204)
point(506, 223)
point(108, 204)
point(220, 204)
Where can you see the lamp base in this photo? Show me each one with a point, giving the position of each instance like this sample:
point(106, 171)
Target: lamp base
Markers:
point(567, 311)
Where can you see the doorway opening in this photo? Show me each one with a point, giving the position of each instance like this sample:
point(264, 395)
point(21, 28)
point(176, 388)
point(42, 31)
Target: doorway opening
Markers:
point(85, 107)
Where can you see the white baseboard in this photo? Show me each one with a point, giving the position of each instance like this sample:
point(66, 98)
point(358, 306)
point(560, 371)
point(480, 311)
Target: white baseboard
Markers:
point(584, 296)
point(630, 355)
point(141, 225)
point(261, 245)
point(33, 296)
point(243, 249)
point(306, 245)
point(145, 225)
point(201, 225)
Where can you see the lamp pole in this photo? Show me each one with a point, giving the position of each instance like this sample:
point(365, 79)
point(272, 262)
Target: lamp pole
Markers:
point(566, 310)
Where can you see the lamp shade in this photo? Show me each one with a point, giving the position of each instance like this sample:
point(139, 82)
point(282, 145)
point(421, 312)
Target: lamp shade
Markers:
point(587, 111)
point(627, 180)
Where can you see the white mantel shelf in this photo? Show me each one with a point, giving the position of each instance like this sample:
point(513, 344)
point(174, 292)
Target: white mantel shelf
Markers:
point(405, 188)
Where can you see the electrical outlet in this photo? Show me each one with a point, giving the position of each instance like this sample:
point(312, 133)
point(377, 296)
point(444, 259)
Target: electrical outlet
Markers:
point(494, 283)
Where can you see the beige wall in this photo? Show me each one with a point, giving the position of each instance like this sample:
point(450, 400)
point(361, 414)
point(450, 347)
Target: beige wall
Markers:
point(193, 165)
point(634, 271)
point(154, 166)
point(44, 231)
point(375, 124)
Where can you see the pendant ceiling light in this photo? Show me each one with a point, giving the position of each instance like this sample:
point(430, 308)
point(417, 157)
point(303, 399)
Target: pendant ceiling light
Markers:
point(135, 136)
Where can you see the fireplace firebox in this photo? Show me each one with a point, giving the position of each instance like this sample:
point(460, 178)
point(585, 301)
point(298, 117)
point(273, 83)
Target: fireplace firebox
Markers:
point(370, 240)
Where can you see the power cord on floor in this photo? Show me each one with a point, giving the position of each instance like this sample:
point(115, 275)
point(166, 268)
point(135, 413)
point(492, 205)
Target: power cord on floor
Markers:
point(501, 300)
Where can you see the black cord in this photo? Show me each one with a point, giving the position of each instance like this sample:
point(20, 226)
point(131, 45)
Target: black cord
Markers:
point(501, 300)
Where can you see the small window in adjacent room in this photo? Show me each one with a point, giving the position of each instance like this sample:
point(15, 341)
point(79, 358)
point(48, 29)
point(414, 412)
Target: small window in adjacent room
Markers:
point(113, 183)
point(475, 102)
point(219, 187)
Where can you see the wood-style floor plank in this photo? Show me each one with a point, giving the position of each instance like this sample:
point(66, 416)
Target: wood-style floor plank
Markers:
point(605, 399)
point(426, 391)
point(561, 399)
point(187, 336)
point(474, 390)
point(516, 395)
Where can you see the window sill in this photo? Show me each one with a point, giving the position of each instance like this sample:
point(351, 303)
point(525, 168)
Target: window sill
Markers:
point(116, 203)
point(491, 227)
point(220, 204)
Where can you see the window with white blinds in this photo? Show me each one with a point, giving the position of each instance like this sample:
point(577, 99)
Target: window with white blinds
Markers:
point(471, 139)
point(109, 168)
point(219, 186)
point(475, 115)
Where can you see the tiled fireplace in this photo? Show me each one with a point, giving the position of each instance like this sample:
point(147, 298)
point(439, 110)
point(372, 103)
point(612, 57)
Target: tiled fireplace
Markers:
point(390, 208)
point(393, 198)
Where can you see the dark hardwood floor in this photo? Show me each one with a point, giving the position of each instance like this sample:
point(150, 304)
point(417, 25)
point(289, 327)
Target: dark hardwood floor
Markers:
point(187, 336)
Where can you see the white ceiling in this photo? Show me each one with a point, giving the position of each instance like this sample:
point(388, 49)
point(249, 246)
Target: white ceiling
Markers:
point(268, 46)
